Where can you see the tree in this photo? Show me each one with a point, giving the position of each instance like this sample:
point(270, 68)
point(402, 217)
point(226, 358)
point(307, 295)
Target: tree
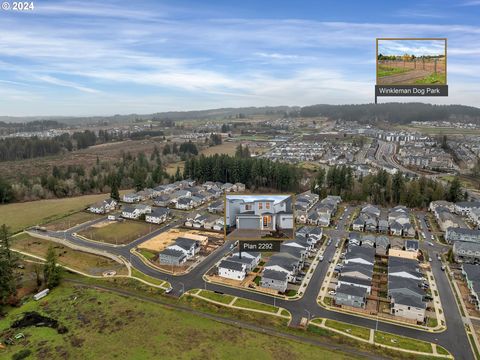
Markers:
point(455, 190)
point(51, 271)
point(6, 193)
point(114, 194)
point(8, 262)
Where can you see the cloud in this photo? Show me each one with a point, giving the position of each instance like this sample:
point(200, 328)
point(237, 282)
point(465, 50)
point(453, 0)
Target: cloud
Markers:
point(64, 83)
point(164, 61)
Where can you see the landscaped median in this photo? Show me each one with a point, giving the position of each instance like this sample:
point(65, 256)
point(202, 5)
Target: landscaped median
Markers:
point(380, 338)
point(239, 303)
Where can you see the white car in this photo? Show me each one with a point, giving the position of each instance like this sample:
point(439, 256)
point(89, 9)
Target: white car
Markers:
point(332, 292)
point(169, 290)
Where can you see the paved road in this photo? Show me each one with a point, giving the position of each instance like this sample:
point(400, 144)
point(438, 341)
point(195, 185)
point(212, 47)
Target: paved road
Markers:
point(454, 338)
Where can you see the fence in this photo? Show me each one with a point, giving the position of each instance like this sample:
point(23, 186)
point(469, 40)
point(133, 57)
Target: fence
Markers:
point(433, 65)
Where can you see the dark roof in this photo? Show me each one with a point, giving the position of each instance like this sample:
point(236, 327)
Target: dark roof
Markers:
point(172, 253)
point(283, 260)
point(232, 265)
point(351, 290)
point(411, 244)
point(158, 212)
point(275, 275)
point(355, 280)
point(185, 243)
point(409, 300)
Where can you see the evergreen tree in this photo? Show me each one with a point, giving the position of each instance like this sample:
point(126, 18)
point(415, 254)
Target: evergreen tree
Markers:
point(114, 194)
point(455, 190)
point(8, 262)
point(51, 271)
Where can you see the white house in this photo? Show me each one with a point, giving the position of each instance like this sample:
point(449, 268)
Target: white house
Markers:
point(157, 216)
point(135, 211)
point(231, 270)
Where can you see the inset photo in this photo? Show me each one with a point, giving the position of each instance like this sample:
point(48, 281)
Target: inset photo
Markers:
point(411, 61)
point(259, 217)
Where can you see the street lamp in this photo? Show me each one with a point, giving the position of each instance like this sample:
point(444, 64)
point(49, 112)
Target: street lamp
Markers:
point(309, 314)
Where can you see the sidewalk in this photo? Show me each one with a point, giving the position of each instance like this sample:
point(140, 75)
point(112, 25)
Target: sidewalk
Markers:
point(372, 341)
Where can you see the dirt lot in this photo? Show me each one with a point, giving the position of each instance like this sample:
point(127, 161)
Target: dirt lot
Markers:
point(119, 232)
point(160, 242)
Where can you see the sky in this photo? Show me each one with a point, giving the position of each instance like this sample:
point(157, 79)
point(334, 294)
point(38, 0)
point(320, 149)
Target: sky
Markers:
point(411, 47)
point(249, 198)
point(118, 57)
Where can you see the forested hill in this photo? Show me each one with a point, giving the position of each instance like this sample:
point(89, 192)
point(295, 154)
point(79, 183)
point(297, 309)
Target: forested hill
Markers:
point(400, 113)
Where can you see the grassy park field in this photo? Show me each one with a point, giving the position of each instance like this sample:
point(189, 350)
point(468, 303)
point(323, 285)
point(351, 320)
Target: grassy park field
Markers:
point(99, 324)
point(21, 215)
point(78, 260)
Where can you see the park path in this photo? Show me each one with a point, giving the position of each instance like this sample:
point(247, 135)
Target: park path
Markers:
point(404, 78)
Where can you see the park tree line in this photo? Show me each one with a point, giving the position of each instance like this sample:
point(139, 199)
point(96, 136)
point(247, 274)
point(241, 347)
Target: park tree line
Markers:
point(9, 265)
point(12, 149)
point(401, 113)
point(384, 189)
point(255, 173)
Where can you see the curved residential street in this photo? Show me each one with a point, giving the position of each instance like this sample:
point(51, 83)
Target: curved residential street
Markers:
point(454, 338)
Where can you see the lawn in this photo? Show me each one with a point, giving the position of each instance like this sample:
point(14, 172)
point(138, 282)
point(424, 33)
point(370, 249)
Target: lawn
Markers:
point(388, 70)
point(227, 148)
point(147, 254)
point(78, 260)
point(19, 216)
point(102, 325)
point(152, 280)
point(224, 299)
point(71, 220)
point(354, 330)
point(402, 342)
point(437, 79)
point(119, 232)
point(249, 304)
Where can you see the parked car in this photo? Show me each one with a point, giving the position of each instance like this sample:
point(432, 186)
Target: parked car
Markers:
point(332, 292)
point(321, 258)
point(443, 267)
point(428, 298)
point(430, 259)
point(169, 290)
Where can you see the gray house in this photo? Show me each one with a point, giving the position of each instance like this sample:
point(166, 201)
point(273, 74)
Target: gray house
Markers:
point(466, 252)
point(274, 279)
point(171, 257)
point(350, 295)
point(460, 234)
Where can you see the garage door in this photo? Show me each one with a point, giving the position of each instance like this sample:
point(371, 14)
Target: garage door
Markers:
point(249, 223)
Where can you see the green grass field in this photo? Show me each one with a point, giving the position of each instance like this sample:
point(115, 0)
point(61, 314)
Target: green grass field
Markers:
point(402, 342)
point(106, 326)
point(437, 79)
point(354, 330)
point(71, 220)
point(79, 260)
point(152, 280)
point(147, 254)
point(249, 304)
point(119, 232)
point(224, 299)
point(387, 71)
point(18, 216)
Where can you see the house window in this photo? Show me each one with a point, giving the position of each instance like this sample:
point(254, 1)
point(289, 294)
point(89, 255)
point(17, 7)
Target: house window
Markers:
point(248, 206)
point(260, 206)
point(267, 205)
